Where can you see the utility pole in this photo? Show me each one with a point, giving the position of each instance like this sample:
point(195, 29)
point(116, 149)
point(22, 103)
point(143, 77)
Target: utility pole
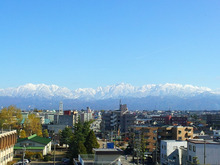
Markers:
point(204, 151)
point(24, 149)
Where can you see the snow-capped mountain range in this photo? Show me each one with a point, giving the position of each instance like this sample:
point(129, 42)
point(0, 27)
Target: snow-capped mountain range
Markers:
point(162, 96)
point(112, 91)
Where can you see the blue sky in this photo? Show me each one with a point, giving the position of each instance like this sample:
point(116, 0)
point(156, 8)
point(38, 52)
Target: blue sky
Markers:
point(91, 43)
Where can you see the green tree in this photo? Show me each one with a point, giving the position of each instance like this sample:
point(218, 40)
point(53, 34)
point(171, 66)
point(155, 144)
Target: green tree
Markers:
point(91, 142)
point(76, 145)
point(66, 136)
point(142, 146)
point(86, 128)
point(45, 133)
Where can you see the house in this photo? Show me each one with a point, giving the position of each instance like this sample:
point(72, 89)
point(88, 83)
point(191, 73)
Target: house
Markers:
point(33, 143)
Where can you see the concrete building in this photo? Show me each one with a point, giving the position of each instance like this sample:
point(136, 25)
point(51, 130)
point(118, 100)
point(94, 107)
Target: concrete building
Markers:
point(66, 119)
point(203, 151)
point(119, 120)
point(7, 142)
point(86, 115)
point(170, 120)
point(173, 152)
point(175, 132)
point(150, 136)
point(102, 156)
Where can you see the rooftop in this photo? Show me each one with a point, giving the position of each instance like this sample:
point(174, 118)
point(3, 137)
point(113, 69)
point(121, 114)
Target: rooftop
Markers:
point(36, 138)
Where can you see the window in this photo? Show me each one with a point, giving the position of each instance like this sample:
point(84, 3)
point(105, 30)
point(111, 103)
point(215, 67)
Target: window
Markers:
point(180, 138)
point(190, 158)
point(179, 132)
point(194, 148)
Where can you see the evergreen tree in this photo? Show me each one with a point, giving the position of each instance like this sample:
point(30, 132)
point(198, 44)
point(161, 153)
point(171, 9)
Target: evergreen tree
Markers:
point(66, 136)
point(76, 144)
point(91, 142)
point(86, 129)
point(142, 146)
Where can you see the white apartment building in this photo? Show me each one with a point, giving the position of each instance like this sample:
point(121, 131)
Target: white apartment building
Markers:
point(203, 151)
point(7, 142)
point(173, 152)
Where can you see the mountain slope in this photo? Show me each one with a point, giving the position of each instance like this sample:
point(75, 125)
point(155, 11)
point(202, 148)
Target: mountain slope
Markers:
point(162, 96)
point(113, 91)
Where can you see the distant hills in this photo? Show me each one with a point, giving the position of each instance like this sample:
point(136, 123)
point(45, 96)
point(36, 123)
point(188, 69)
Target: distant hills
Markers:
point(147, 97)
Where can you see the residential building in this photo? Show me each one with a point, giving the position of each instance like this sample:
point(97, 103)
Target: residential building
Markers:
point(119, 120)
point(170, 120)
point(175, 133)
point(173, 152)
point(7, 142)
point(86, 115)
point(33, 143)
point(150, 136)
point(203, 151)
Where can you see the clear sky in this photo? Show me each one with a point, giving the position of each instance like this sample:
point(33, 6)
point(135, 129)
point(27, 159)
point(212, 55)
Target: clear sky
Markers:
point(91, 43)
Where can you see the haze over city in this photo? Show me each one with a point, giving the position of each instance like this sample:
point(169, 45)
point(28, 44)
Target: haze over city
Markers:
point(87, 44)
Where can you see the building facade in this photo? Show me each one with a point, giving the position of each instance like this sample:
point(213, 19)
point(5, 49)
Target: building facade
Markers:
point(173, 152)
point(7, 142)
point(203, 151)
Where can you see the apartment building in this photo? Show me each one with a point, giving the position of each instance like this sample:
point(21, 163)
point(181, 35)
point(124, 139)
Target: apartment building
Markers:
point(175, 133)
point(118, 120)
point(203, 151)
point(150, 136)
point(7, 142)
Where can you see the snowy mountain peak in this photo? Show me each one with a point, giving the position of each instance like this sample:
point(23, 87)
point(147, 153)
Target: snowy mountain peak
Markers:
point(111, 91)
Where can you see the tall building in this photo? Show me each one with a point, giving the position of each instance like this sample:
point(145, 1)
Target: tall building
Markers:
point(119, 120)
point(86, 115)
point(7, 142)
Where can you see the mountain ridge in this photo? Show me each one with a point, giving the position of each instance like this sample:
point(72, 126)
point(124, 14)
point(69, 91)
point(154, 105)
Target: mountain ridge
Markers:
point(147, 97)
point(110, 91)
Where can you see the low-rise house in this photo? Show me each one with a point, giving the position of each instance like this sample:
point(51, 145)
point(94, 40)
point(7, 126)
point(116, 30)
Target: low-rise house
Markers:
point(33, 143)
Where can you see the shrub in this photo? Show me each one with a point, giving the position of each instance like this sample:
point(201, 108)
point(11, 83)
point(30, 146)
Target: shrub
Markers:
point(47, 158)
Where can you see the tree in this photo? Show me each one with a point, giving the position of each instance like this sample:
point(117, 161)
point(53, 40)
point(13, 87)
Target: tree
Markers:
point(23, 134)
point(32, 125)
point(86, 128)
point(76, 144)
point(142, 146)
point(91, 142)
point(66, 136)
point(45, 133)
point(10, 117)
